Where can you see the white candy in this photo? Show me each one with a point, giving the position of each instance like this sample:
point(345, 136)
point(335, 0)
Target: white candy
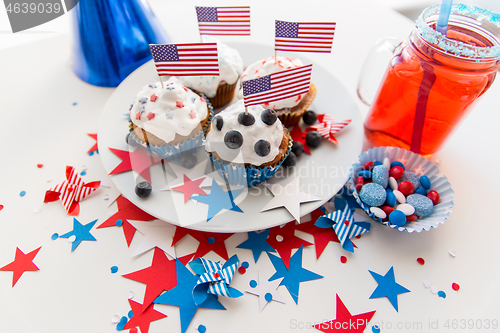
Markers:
point(378, 212)
point(427, 284)
point(400, 197)
point(406, 208)
point(393, 183)
point(387, 163)
point(434, 289)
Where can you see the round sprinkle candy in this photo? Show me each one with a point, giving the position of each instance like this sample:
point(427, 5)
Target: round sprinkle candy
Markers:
point(253, 283)
point(441, 294)
point(373, 194)
point(453, 253)
point(39, 165)
point(114, 269)
point(54, 236)
point(211, 240)
point(343, 259)
point(455, 286)
point(425, 182)
point(71, 238)
point(245, 264)
point(397, 218)
point(242, 270)
point(380, 175)
point(268, 297)
point(427, 284)
point(400, 197)
point(423, 205)
point(378, 212)
point(421, 261)
point(434, 290)
point(202, 329)
point(375, 329)
point(279, 238)
point(119, 223)
point(23, 193)
point(133, 330)
point(115, 319)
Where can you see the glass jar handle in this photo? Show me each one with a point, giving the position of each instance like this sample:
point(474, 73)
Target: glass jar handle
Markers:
point(368, 80)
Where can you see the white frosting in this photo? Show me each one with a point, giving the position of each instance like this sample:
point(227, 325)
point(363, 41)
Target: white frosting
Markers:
point(230, 69)
point(177, 110)
point(269, 66)
point(251, 134)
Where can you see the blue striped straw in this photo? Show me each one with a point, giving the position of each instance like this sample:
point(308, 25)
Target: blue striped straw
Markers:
point(444, 15)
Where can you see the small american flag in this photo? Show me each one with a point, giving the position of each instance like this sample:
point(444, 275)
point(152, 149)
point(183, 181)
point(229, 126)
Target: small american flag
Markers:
point(277, 86)
point(198, 59)
point(224, 20)
point(304, 36)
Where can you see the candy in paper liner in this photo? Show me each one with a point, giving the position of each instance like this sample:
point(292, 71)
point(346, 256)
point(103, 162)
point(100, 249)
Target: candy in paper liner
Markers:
point(420, 166)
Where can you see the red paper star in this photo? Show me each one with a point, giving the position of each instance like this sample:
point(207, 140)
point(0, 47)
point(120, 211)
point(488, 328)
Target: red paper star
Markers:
point(298, 136)
point(126, 211)
point(22, 263)
point(139, 160)
point(328, 127)
point(142, 319)
point(190, 187)
point(286, 242)
point(94, 147)
point(160, 276)
point(71, 191)
point(209, 241)
point(345, 322)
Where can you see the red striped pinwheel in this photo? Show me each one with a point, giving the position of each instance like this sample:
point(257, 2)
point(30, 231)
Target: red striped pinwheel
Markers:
point(328, 127)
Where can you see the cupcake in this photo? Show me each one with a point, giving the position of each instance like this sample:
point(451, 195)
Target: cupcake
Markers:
point(169, 120)
point(289, 110)
point(247, 149)
point(219, 89)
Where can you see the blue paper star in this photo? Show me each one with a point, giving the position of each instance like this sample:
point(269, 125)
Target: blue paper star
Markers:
point(81, 233)
point(293, 275)
point(218, 199)
point(257, 243)
point(182, 296)
point(387, 287)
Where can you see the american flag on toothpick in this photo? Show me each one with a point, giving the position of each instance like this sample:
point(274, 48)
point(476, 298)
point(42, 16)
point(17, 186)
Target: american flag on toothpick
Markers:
point(304, 36)
point(277, 86)
point(195, 59)
point(233, 21)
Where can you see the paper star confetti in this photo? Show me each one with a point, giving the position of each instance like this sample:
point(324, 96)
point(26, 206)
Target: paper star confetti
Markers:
point(182, 296)
point(195, 173)
point(328, 127)
point(289, 197)
point(71, 191)
point(22, 263)
point(294, 275)
point(81, 233)
point(344, 225)
point(214, 278)
point(345, 321)
point(267, 291)
point(208, 241)
point(387, 287)
point(139, 160)
point(94, 147)
point(156, 234)
point(218, 199)
point(299, 136)
point(257, 243)
point(142, 318)
point(284, 240)
point(190, 187)
point(126, 211)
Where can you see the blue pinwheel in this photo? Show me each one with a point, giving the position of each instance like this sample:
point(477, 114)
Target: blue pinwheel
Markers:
point(214, 278)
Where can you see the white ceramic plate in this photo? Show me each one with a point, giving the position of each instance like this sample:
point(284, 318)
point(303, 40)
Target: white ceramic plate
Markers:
point(322, 174)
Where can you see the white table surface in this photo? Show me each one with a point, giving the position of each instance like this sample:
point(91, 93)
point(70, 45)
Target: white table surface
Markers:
point(75, 291)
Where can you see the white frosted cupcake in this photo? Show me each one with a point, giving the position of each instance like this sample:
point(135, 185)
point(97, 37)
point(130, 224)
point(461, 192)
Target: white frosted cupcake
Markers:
point(219, 89)
point(169, 120)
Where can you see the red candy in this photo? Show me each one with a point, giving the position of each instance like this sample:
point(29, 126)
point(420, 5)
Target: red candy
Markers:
point(368, 166)
point(455, 286)
point(434, 196)
point(39, 165)
point(421, 261)
point(343, 259)
point(406, 188)
point(387, 210)
point(411, 217)
point(396, 172)
point(242, 270)
point(359, 183)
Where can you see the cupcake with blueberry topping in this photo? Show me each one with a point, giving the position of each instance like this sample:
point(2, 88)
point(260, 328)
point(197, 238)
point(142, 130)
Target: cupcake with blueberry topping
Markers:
point(247, 148)
point(169, 120)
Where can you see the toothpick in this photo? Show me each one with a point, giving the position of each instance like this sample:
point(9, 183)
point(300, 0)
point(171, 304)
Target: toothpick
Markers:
point(275, 56)
point(161, 80)
point(246, 111)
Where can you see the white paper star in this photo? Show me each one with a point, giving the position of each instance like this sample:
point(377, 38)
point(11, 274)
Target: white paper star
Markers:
point(156, 234)
point(289, 196)
point(266, 287)
point(194, 173)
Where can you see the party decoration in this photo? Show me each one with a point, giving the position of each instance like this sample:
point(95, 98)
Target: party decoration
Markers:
point(289, 196)
point(267, 291)
point(81, 233)
point(345, 321)
point(156, 234)
point(218, 199)
point(182, 296)
point(328, 127)
point(190, 187)
point(257, 243)
point(126, 211)
point(71, 191)
point(138, 160)
point(233, 21)
point(94, 147)
point(214, 278)
point(195, 173)
point(22, 263)
point(283, 240)
point(208, 241)
point(304, 36)
point(299, 136)
point(387, 287)
point(294, 275)
point(142, 318)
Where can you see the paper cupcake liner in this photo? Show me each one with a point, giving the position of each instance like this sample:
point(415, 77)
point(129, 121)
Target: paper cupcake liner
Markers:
point(293, 117)
point(238, 174)
point(420, 166)
point(223, 96)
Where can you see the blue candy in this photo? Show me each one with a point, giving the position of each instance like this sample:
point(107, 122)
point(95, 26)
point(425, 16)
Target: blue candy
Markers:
point(412, 178)
point(377, 163)
point(423, 205)
point(397, 163)
point(380, 175)
point(373, 194)
point(397, 217)
point(421, 191)
point(425, 182)
point(390, 199)
point(366, 174)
